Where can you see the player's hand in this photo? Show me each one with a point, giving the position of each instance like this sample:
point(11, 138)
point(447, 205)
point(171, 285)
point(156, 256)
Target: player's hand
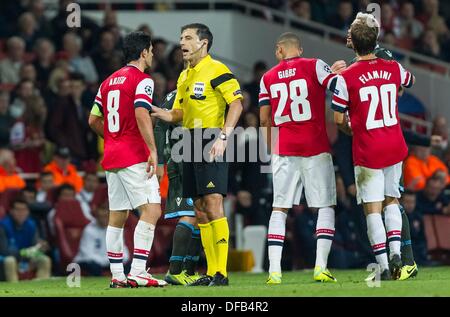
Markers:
point(352, 190)
point(338, 67)
point(160, 172)
point(157, 113)
point(217, 149)
point(436, 140)
point(152, 163)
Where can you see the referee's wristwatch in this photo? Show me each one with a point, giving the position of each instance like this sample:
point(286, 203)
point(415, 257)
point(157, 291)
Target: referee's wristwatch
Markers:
point(223, 136)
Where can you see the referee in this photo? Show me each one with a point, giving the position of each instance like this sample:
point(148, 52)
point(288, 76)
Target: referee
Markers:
point(204, 89)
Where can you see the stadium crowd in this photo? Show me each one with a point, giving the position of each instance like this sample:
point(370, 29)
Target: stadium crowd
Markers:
point(48, 78)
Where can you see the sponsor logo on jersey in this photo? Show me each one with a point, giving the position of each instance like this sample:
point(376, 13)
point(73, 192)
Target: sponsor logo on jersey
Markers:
point(189, 202)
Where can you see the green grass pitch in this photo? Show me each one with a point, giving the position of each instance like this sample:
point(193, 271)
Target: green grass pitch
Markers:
point(429, 282)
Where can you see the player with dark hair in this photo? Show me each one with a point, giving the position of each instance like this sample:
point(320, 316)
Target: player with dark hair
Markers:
point(121, 116)
point(292, 98)
point(204, 89)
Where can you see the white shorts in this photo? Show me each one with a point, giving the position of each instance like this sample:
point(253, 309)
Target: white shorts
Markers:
point(129, 188)
point(292, 173)
point(373, 185)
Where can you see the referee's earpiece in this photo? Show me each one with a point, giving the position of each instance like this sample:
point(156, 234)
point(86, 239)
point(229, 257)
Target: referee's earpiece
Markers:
point(198, 49)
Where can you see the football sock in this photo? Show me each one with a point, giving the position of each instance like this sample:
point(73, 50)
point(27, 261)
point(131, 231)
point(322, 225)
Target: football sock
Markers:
point(193, 254)
point(206, 236)
point(143, 240)
point(181, 238)
point(325, 234)
point(114, 247)
point(393, 222)
point(275, 239)
point(377, 238)
point(221, 235)
point(406, 246)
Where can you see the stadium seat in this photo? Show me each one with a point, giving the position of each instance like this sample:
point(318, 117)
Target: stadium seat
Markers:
point(6, 199)
point(442, 225)
point(69, 225)
point(430, 233)
point(100, 196)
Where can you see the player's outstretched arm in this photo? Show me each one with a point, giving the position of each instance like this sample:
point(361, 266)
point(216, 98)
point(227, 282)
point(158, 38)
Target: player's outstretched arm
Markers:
point(266, 124)
point(145, 126)
point(172, 116)
point(342, 122)
point(96, 124)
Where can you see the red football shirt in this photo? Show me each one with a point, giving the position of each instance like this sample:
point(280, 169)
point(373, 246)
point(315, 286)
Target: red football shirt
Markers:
point(295, 90)
point(369, 91)
point(117, 98)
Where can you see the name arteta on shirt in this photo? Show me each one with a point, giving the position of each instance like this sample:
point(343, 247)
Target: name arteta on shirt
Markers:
point(286, 73)
point(375, 75)
point(117, 80)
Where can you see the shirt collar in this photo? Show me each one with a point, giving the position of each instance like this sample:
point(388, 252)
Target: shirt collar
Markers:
point(203, 62)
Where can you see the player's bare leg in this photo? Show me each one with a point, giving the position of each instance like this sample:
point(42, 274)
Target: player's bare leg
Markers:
point(393, 223)
point(325, 233)
point(143, 240)
point(377, 236)
point(275, 242)
point(114, 246)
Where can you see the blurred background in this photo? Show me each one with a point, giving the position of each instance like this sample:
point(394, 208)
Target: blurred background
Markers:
point(52, 186)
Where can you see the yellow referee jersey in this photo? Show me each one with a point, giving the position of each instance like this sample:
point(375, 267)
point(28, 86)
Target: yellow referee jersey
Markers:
point(204, 91)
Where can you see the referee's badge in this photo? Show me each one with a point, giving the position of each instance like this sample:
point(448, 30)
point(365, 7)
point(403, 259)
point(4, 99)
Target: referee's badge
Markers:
point(199, 89)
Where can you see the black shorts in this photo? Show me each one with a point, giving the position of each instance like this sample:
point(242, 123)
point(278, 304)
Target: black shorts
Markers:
point(200, 176)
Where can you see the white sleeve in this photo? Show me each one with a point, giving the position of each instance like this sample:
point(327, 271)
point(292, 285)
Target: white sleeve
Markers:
point(144, 94)
point(324, 73)
point(264, 97)
point(340, 97)
point(406, 77)
point(98, 98)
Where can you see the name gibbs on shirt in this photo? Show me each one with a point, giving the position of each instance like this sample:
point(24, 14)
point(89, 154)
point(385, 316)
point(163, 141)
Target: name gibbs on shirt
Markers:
point(286, 73)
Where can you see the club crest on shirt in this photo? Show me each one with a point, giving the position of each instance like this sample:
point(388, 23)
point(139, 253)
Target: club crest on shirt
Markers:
point(189, 202)
point(199, 89)
point(148, 90)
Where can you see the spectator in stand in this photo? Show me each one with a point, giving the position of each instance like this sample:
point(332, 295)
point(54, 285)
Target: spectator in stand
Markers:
point(259, 68)
point(429, 45)
point(21, 248)
point(67, 123)
point(37, 8)
point(44, 184)
point(65, 192)
point(432, 200)
point(27, 30)
point(73, 46)
point(9, 178)
point(44, 62)
point(6, 120)
point(160, 64)
point(388, 19)
point(420, 166)
point(432, 20)
point(440, 127)
point(407, 26)
point(160, 90)
point(302, 9)
point(146, 29)
point(10, 66)
point(111, 24)
point(64, 172)
point(417, 229)
point(92, 256)
point(28, 72)
point(27, 135)
point(344, 17)
point(176, 62)
point(323, 9)
point(85, 196)
point(105, 54)
point(24, 89)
